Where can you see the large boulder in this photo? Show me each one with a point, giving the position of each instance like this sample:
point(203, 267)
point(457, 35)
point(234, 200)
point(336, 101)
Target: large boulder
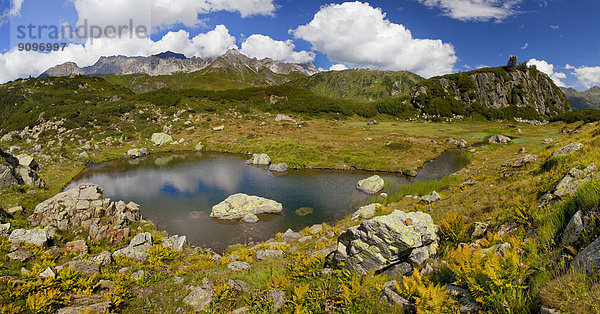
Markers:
point(37, 236)
point(137, 152)
point(499, 139)
point(13, 173)
point(239, 205)
point(85, 207)
point(371, 185)
point(160, 139)
point(137, 248)
point(385, 241)
point(569, 185)
point(589, 259)
point(259, 159)
point(568, 149)
point(30, 177)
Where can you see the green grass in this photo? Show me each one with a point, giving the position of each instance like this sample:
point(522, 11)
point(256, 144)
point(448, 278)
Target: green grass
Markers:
point(419, 188)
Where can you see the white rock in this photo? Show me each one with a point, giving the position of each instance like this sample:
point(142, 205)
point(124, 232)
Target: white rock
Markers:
point(371, 185)
point(160, 139)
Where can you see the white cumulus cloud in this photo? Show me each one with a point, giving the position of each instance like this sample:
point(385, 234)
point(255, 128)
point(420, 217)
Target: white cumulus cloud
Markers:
point(356, 34)
point(548, 68)
point(475, 10)
point(17, 64)
point(261, 46)
point(586, 75)
point(14, 10)
point(164, 13)
point(338, 67)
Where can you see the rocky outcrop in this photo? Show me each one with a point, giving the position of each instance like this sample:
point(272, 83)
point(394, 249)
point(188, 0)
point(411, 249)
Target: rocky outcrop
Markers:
point(569, 185)
point(385, 241)
point(240, 205)
point(160, 139)
point(12, 172)
point(494, 88)
point(259, 160)
point(371, 185)
point(85, 207)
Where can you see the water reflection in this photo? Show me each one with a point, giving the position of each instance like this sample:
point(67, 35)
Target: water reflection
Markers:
point(177, 192)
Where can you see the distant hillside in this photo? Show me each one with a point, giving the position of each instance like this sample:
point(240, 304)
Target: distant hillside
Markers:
point(589, 99)
point(362, 85)
point(168, 69)
point(501, 92)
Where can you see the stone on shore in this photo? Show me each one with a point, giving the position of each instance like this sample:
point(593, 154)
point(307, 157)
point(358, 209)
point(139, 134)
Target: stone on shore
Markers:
point(259, 160)
point(239, 205)
point(280, 167)
point(137, 152)
point(371, 185)
point(160, 139)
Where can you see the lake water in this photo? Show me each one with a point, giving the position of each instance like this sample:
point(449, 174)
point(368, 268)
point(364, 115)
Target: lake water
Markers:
point(177, 191)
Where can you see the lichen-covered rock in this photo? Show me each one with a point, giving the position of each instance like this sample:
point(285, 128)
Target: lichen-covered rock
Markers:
point(280, 167)
point(250, 218)
point(366, 212)
point(137, 152)
point(85, 207)
point(160, 139)
point(499, 139)
point(238, 205)
point(175, 242)
point(431, 198)
point(137, 248)
point(569, 185)
point(520, 162)
point(568, 149)
point(4, 229)
point(384, 241)
point(37, 236)
point(259, 159)
point(282, 117)
point(238, 266)
point(371, 185)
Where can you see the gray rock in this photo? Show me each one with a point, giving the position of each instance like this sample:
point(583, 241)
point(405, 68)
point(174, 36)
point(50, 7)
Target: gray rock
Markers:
point(15, 210)
point(520, 162)
point(280, 167)
point(84, 266)
point(250, 218)
point(574, 229)
point(238, 266)
point(277, 299)
point(316, 228)
point(200, 298)
point(175, 242)
point(137, 248)
point(418, 256)
point(431, 198)
point(239, 286)
point(78, 247)
point(259, 159)
point(290, 236)
point(159, 139)
point(467, 183)
point(548, 310)
point(48, 273)
point(366, 212)
point(499, 139)
point(568, 149)
point(28, 161)
point(385, 241)
point(391, 296)
point(103, 259)
point(371, 185)
point(137, 152)
point(262, 255)
point(282, 117)
point(398, 270)
point(219, 128)
point(103, 307)
point(569, 185)
point(589, 259)
point(37, 236)
point(4, 229)
point(20, 255)
point(30, 177)
point(238, 205)
point(466, 304)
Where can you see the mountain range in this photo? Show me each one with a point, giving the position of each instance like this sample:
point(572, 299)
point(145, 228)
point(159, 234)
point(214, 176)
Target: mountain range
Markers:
point(589, 99)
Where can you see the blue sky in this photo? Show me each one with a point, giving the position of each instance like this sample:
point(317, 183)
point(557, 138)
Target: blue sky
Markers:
point(428, 37)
